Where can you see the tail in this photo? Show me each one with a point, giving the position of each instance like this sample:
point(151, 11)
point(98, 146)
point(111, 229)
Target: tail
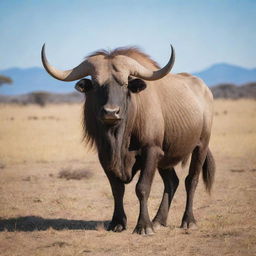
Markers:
point(209, 171)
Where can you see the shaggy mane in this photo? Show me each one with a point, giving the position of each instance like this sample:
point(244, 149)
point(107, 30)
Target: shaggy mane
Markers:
point(132, 52)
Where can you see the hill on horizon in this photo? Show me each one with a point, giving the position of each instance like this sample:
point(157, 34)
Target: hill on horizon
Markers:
point(26, 80)
point(226, 73)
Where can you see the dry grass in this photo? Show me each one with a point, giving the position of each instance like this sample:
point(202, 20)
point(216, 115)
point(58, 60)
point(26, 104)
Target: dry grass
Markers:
point(31, 134)
point(41, 214)
point(234, 128)
point(79, 174)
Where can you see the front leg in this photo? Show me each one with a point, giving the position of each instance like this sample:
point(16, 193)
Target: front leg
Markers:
point(118, 222)
point(150, 159)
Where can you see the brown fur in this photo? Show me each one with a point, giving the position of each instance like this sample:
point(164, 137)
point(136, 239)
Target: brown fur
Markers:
point(182, 115)
point(161, 126)
point(146, 125)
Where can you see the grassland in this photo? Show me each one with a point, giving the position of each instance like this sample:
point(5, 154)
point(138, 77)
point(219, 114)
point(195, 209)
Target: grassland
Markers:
point(55, 199)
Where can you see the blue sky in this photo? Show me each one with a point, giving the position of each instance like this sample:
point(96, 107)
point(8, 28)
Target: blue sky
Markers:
point(202, 32)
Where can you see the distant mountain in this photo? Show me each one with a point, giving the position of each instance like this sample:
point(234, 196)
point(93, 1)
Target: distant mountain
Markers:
point(226, 73)
point(32, 79)
point(36, 79)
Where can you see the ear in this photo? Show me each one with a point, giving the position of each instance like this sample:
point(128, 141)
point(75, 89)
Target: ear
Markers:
point(84, 85)
point(136, 85)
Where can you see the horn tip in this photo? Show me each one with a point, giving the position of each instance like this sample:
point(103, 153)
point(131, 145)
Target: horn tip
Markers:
point(43, 57)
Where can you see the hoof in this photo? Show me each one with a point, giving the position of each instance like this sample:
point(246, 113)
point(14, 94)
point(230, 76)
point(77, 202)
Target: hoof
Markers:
point(157, 225)
point(116, 227)
point(188, 222)
point(189, 225)
point(144, 230)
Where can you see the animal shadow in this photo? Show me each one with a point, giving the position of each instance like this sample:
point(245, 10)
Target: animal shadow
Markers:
point(32, 223)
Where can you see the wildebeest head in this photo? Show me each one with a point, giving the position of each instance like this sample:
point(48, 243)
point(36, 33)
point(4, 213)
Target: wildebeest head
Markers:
point(114, 77)
point(111, 98)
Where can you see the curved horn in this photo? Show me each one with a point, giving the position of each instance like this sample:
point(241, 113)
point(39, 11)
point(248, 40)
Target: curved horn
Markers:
point(140, 71)
point(82, 70)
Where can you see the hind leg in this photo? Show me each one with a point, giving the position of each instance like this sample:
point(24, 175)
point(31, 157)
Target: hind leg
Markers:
point(197, 160)
point(171, 182)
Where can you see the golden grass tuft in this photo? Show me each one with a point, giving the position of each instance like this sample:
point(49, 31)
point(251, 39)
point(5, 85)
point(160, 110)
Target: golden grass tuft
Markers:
point(70, 174)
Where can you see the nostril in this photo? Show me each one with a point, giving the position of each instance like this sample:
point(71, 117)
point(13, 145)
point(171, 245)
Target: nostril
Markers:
point(110, 114)
point(110, 111)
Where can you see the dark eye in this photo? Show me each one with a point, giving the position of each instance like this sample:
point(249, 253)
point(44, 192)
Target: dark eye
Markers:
point(84, 85)
point(136, 85)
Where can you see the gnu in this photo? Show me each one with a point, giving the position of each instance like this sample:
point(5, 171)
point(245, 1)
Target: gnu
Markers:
point(141, 118)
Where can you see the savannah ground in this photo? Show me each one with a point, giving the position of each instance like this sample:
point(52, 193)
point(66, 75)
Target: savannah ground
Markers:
point(43, 214)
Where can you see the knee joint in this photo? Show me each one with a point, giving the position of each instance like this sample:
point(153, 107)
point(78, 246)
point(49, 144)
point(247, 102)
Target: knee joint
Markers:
point(141, 191)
